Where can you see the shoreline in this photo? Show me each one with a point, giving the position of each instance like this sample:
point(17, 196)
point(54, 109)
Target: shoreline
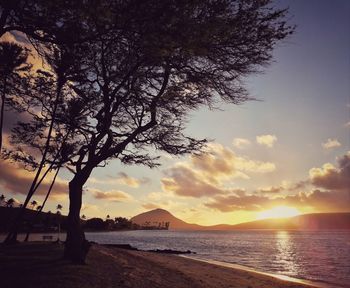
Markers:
point(149, 255)
point(41, 263)
point(234, 266)
point(211, 273)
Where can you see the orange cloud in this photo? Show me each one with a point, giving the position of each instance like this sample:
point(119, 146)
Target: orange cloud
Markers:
point(113, 195)
point(122, 178)
point(150, 206)
point(325, 201)
point(184, 181)
point(206, 175)
point(125, 179)
point(17, 181)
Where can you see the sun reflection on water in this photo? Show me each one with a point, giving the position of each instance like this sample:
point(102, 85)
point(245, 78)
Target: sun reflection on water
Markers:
point(286, 258)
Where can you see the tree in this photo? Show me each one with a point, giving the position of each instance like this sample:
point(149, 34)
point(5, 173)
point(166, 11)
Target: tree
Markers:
point(45, 96)
point(56, 21)
point(2, 199)
point(33, 204)
point(139, 80)
point(59, 207)
point(13, 64)
point(10, 203)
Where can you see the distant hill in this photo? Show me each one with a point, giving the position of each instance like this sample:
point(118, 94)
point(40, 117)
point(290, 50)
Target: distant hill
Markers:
point(317, 221)
point(161, 215)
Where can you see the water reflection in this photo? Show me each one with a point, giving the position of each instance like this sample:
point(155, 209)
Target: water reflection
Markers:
point(286, 258)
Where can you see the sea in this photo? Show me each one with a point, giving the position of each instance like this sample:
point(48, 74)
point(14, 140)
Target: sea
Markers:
point(319, 256)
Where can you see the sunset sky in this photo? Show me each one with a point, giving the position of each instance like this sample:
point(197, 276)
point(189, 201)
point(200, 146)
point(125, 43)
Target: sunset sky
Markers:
point(290, 148)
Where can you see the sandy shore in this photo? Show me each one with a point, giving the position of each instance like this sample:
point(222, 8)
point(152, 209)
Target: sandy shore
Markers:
point(144, 269)
point(41, 265)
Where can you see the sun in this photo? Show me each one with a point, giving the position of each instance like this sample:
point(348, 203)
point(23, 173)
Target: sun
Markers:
point(279, 212)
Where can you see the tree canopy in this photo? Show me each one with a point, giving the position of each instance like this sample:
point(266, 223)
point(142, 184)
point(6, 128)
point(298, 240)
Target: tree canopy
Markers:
point(136, 72)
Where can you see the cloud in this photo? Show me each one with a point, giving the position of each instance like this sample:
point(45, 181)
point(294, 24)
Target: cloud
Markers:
point(17, 181)
point(241, 143)
point(331, 143)
point(150, 206)
point(326, 201)
point(122, 179)
point(347, 125)
point(271, 190)
point(331, 177)
point(266, 140)
point(234, 202)
point(184, 181)
point(206, 175)
point(113, 195)
point(125, 179)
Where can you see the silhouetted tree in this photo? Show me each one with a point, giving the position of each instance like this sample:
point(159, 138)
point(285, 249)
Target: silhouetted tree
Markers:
point(122, 223)
point(95, 224)
point(10, 202)
point(2, 199)
point(13, 64)
point(56, 21)
point(46, 95)
point(59, 207)
point(33, 204)
point(138, 81)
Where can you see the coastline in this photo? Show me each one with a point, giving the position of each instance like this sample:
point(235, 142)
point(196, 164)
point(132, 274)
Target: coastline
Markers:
point(41, 264)
point(185, 271)
point(233, 266)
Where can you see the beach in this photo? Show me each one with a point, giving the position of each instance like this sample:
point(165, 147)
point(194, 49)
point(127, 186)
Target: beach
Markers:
point(41, 265)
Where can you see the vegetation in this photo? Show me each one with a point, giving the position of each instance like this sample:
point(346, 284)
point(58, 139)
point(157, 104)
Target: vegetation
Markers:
point(125, 81)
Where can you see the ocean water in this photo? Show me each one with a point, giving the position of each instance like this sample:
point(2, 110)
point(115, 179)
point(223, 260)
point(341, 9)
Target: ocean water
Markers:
point(322, 256)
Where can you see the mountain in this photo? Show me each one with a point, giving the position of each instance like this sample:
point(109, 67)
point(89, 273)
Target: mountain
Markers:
point(161, 215)
point(317, 221)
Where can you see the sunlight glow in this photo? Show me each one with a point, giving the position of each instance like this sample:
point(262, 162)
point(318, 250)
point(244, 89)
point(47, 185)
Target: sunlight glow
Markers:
point(279, 212)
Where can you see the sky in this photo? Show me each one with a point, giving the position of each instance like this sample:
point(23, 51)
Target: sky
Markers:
point(290, 148)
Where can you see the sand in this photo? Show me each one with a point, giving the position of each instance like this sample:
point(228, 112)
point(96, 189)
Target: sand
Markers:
point(145, 269)
point(41, 265)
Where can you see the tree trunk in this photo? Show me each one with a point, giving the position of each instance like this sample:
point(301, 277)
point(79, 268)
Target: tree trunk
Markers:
point(76, 246)
point(12, 235)
point(2, 111)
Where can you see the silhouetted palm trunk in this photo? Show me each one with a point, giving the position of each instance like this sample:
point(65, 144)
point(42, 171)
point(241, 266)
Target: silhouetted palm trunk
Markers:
point(76, 246)
point(42, 206)
point(2, 110)
point(12, 235)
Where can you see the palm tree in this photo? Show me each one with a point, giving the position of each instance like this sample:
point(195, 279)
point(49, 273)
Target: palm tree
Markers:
point(10, 202)
point(13, 64)
point(33, 204)
point(2, 199)
point(59, 208)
